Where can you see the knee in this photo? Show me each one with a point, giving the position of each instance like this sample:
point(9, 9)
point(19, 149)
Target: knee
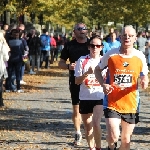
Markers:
point(125, 141)
point(113, 137)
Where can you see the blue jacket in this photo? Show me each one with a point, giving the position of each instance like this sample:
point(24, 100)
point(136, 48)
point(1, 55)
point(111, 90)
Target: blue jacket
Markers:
point(45, 41)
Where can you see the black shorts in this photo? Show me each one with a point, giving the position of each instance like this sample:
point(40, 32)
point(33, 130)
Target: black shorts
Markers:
point(86, 106)
point(74, 90)
point(131, 118)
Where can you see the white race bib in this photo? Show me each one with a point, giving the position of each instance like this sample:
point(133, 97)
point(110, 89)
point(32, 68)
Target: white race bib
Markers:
point(123, 80)
point(91, 81)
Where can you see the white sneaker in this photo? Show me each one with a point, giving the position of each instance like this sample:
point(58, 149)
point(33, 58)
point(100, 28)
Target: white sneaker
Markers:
point(22, 82)
point(20, 91)
point(77, 140)
point(32, 72)
point(7, 91)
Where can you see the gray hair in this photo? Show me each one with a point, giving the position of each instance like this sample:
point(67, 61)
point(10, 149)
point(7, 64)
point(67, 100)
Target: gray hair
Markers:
point(127, 26)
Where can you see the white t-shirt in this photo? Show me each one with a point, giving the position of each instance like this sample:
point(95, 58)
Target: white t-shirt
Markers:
point(90, 89)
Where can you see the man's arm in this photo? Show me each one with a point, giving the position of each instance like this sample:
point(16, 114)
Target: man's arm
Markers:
point(106, 87)
point(62, 64)
point(98, 75)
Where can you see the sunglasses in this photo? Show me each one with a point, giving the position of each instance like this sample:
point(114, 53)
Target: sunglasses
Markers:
point(97, 46)
point(81, 28)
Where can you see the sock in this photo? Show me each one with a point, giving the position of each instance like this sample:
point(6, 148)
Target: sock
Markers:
point(92, 148)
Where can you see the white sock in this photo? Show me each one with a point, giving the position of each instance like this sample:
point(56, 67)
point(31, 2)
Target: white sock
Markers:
point(78, 132)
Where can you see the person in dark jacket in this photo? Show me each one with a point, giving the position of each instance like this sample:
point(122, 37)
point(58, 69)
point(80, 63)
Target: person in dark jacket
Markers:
point(15, 59)
point(35, 52)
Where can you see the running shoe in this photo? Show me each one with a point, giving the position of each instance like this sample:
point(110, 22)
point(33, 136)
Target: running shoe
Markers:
point(77, 140)
point(115, 146)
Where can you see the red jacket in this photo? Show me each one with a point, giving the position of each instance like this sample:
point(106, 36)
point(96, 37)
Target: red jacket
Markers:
point(53, 42)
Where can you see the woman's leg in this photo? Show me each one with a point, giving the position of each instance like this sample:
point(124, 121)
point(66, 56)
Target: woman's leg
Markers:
point(97, 115)
point(88, 127)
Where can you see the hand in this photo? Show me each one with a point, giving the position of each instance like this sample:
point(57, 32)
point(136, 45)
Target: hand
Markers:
point(72, 66)
point(144, 84)
point(144, 81)
point(90, 70)
point(107, 88)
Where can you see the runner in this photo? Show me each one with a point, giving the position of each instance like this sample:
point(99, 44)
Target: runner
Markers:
point(121, 103)
point(74, 50)
point(91, 93)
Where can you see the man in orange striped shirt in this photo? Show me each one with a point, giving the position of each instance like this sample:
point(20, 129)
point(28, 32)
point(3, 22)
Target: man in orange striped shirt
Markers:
point(121, 103)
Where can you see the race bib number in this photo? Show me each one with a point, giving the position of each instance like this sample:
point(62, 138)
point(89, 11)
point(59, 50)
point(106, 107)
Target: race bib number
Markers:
point(123, 80)
point(91, 81)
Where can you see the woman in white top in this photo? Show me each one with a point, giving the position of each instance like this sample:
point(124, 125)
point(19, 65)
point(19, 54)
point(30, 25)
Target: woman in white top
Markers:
point(4, 49)
point(91, 93)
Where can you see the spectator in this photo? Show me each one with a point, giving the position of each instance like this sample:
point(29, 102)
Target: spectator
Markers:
point(15, 59)
point(35, 52)
point(53, 47)
point(3, 58)
point(107, 38)
point(45, 48)
point(26, 51)
point(113, 43)
point(141, 42)
point(7, 33)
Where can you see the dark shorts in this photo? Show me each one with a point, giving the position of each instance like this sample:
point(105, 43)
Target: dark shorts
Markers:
point(86, 106)
point(74, 90)
point(131, 118)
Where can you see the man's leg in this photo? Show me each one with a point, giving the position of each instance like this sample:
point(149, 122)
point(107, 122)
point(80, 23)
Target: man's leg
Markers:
point(113, 131)
point(41, 59)
point(97, 115)
point(76, 117)
point(33, 62)
point(127, 130)
point(113, 120)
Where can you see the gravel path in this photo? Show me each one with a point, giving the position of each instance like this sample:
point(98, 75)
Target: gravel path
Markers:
point(42, 121)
